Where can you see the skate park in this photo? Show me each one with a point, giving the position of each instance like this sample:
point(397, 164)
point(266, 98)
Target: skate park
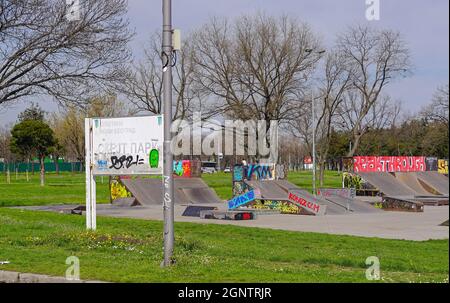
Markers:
point(406, 183)
point(269, 181)
point(272, 205)
point(179, 143)
point(273, 190)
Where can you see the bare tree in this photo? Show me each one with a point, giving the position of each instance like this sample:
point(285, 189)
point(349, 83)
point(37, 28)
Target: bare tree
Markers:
point(69, 131)
point(256, 66)
point(334, 81)
point(438, 109)
point(334, 84)
point(43, 52)
point(382, 114)
point(301, 127)
point(375, 57)
point(144, 86)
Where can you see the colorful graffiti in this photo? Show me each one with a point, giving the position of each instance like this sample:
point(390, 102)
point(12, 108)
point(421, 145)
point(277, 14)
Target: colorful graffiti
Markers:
point(388, 164)
point(239, 188)
point(243, 199)
point(259, 172)
point(283, 207)
point(182, 168)
point(311, 206)
point(238, 173)
point(118, 190)
point(443, 166)
point(253, 172)
point(154, 158)
point(431, 164)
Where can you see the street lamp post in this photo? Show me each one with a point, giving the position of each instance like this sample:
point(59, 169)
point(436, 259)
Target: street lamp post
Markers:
point(313, 140)
point(320, 52)
point(168, 198)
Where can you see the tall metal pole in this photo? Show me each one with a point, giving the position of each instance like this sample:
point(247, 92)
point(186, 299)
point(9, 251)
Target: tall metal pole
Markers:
point(167, 51)
point(313, 140)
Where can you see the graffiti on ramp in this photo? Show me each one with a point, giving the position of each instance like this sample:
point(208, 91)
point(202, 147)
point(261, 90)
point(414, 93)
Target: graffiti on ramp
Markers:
point(243, 199)
point(314, 207)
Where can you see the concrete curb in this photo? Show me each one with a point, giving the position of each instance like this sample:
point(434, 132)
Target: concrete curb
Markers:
point(17, 277)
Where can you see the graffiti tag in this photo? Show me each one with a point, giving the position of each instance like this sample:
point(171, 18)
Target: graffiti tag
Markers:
point(258, 172)
point(311, 206)
point(388, 164)
point(125, 162)
point(237, 173)
point(443, 166)
point(242, 199)
point(182, 168)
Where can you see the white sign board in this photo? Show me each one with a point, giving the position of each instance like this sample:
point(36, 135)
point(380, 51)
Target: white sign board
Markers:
point(121, 146)
point(127, 146)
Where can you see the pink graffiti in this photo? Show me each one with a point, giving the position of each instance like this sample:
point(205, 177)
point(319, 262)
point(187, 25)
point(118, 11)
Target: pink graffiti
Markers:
point(388, 164)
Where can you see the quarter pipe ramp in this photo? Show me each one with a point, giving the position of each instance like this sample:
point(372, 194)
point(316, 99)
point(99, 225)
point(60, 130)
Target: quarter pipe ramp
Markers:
point(435, 180)
point(186, 191)
point(335, 205)
point(352, 205)
point(387, 184)
point(411, 180)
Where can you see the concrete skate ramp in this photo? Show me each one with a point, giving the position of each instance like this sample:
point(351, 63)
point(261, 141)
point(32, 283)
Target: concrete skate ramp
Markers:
point(354, 205)
point(331, 208)
point(278, 190)
point(335, 204)
point(435, 180)
point(201, 195)
point(269, 190)
point(411, 180)
point(146, 191)
point(387, 184)
point(186, 191)
point(286, 185)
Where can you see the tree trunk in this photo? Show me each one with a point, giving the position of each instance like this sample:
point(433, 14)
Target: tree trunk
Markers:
point(321, 173)
point(57, 165)
point(42, 171)
point(356, 140)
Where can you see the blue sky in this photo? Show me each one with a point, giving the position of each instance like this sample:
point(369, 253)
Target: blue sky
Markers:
point(423, 24)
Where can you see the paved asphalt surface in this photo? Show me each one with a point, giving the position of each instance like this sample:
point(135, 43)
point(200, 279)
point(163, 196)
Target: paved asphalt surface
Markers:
point(389, 225)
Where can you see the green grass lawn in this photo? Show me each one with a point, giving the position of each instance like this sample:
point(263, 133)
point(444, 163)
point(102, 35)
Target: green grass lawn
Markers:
point(65, 188)
point(128, 250)
point(69, 188)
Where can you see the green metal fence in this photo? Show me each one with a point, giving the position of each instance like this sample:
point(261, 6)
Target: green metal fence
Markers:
point(23, 167)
